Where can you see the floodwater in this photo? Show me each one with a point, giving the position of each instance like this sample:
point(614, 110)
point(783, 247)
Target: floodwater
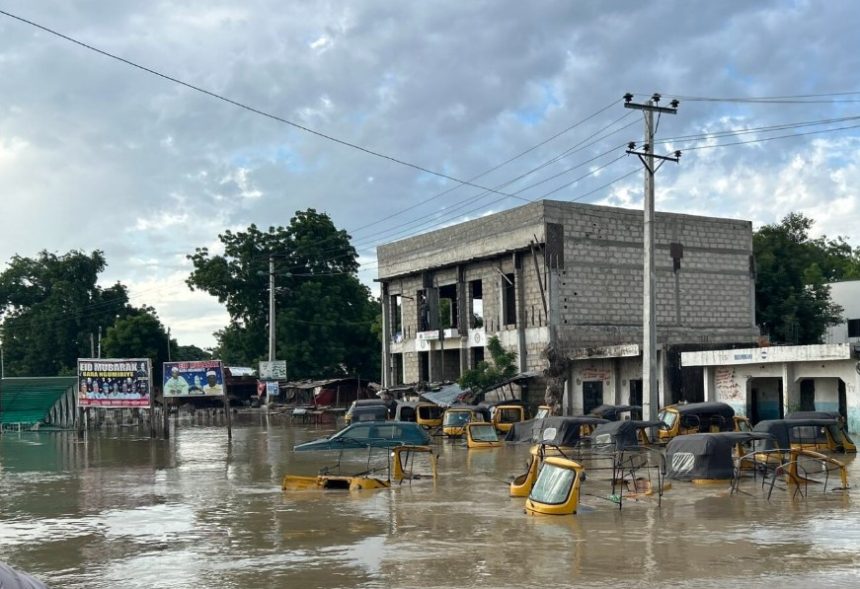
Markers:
point(120, 510)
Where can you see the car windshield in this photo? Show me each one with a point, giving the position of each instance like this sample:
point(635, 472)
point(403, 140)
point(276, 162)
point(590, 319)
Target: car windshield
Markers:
point(484, 432)
point(457, 417)
point(668, 417)
point(542, 412)
point(553, 485)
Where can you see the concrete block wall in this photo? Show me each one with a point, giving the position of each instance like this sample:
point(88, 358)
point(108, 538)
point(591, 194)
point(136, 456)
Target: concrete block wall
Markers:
point(598, 293)
point(488, 236)
point(600, 288)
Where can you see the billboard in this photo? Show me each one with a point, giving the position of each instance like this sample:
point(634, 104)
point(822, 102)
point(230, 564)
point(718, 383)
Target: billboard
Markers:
point(201, 378)
point(273, 369)
point(110, 382)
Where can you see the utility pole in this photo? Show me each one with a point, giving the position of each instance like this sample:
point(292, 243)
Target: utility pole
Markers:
point(271, 308)
point(650, 393)
point(100, 342)
point(168, 344)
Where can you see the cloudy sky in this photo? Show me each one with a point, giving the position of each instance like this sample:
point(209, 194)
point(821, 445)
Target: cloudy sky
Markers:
point(96, 154)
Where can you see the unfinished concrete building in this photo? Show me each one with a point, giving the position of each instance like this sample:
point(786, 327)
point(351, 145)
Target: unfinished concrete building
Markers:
point(569, 274)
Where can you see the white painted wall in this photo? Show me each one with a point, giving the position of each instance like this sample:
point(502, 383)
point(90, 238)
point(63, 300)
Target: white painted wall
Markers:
point(846, 295)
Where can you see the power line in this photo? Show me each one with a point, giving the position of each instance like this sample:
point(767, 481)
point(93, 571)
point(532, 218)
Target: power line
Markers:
point(490, 170)
point(244, 106)
point(787, 99)
point(449, 209)
point(764, 139)
point(764, 129)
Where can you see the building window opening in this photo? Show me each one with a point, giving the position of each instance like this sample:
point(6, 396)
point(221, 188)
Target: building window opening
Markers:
point(423, 310)
point(397, 369)
point(397, 318)
point(509, 300)
point(477, 357)
point(424, 366)
point(807, 395)
point(476, 317)
point(854, 328)
point(448, 306)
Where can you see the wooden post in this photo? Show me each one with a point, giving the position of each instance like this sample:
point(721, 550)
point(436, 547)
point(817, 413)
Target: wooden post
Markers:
point(165, 417)
point(227, 415)
point(80, 422)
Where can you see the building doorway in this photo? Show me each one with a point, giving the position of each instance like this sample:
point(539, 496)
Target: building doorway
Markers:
point(635, 392)
point(843, 400)
point(765, 399)
point(424, 366)
point(807, 394)
point(592, 395)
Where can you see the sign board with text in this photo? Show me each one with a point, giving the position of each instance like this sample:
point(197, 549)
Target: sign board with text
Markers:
point(273, 369)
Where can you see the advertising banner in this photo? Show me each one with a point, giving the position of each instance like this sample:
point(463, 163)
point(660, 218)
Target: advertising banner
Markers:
point(273, 369)
point(201, 378)
point(272, 390)
point(110, 382)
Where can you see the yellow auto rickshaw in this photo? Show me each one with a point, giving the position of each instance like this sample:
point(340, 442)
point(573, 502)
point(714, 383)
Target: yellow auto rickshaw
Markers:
point(556, 490)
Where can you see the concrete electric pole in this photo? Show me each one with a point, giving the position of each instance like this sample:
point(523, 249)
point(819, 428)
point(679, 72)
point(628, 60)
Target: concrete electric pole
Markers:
point(650, 392)
point(271, 308)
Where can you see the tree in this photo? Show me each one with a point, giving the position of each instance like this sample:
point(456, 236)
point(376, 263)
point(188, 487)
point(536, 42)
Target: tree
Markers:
point(325, 315)
point(485, 375)
point(139, 335)
point(792, 271)
point(191, 353)
point(51, 306)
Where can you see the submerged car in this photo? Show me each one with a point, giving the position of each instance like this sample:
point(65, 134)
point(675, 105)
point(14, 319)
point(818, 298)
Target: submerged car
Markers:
point(374, 434)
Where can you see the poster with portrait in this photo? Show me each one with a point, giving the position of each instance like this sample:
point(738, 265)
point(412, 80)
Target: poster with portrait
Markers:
point(114, 382)
point(200, 378)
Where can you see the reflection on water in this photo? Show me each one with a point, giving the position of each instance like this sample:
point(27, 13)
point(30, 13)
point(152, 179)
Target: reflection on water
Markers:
point(121, 510)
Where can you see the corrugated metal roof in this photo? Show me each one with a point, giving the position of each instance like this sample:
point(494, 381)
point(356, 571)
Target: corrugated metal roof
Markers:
point(28, 400)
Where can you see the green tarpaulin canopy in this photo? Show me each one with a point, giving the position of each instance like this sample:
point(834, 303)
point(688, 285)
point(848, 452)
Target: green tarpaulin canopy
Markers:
point(28, 400)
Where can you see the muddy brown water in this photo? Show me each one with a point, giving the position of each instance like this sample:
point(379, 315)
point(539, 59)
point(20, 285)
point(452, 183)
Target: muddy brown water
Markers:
point(121, 510)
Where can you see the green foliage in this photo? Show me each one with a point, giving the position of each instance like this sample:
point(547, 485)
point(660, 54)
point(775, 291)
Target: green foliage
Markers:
point(139, 335)
point(190, 353)
point(50, 306)
point(486, 375)
point(445, 313)
point(792, 297)
point(325, 315)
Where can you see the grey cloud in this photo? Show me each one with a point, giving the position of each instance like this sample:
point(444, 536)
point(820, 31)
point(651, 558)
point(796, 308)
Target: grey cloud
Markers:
point(453, 86)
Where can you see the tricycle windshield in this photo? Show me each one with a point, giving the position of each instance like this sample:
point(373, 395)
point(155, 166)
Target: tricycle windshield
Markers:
point(484, 432)
point(457, 417)
point(553, 485)
point(667, 417)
